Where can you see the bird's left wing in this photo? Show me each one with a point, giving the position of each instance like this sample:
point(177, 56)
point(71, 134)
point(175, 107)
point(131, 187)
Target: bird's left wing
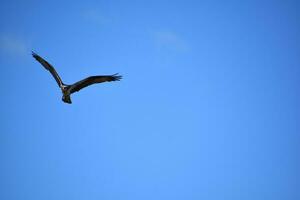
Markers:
point(49, 67)
point(92, 80)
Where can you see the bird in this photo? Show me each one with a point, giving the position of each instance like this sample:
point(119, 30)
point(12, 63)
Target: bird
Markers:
point(66, 89)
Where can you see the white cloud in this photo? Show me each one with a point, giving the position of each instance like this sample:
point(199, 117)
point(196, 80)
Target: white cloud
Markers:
point(171, 40)
point(13, 45)
point(95, 16)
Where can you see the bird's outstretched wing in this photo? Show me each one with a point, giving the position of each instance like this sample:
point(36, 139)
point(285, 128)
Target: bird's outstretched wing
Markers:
point(92, 80)
point(49, 67)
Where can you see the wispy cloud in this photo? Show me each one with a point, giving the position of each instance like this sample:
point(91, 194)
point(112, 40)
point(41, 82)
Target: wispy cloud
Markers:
point(95, 16)
point(170, 40)
point(13, 45)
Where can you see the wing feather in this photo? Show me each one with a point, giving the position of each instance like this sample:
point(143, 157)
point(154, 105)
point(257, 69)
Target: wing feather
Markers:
point(92, 80)
point(48, 67)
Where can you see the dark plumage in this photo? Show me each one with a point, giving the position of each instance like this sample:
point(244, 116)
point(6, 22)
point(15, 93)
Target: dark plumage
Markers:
point(67, 90)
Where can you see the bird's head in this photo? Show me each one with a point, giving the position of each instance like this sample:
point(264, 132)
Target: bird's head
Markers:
point(64, 87)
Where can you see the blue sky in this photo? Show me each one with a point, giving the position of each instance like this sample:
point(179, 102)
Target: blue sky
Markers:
point(208, 107)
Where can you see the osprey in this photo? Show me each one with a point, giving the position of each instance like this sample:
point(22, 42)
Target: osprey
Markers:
point(67, 90)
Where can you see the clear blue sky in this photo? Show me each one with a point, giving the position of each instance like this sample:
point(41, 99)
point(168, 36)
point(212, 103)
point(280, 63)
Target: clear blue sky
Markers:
point(208, 107)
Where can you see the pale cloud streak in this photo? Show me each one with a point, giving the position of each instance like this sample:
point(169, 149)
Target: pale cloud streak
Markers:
point(95, 16)
point(13, 45)
point(170, 40)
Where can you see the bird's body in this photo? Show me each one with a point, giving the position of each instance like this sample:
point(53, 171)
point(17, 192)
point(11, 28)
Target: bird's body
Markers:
point(67, 90)
point(66, 93)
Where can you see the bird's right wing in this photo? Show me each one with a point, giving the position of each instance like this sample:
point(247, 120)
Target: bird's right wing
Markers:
point(92, 80)
point(49, 68)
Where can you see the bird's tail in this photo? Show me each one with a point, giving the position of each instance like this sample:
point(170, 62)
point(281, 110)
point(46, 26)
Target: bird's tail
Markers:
point(67, 99)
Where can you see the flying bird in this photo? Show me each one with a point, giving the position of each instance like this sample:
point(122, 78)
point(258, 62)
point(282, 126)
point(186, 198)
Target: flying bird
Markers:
point(66, 89)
